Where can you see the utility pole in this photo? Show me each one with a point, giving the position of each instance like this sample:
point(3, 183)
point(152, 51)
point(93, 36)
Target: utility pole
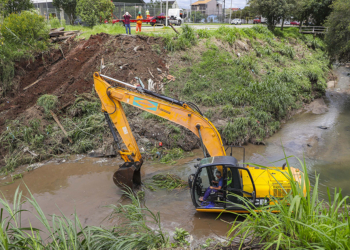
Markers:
point(224, 9)
point(190, 9)
point(47, 9)
point(161, 10)
point(231, 12)
point(166, 13)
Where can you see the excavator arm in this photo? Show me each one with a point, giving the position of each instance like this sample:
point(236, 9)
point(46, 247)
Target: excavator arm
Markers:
point(182, 113)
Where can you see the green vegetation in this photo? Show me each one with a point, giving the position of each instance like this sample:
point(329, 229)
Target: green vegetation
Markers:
point(337, 37)
point(68, 6)
point(97, 29)
point(48, 102)
point(180, 237)
point(14, 6)
point(273, 74)
point(168, 181)
point(304, 221)
point(93, 11)
point(300, 10)
point(139, 228)
point(86, 129)
point(22, 36)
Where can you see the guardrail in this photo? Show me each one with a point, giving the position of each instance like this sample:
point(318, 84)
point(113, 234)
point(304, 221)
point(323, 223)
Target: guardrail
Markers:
point(313, 29)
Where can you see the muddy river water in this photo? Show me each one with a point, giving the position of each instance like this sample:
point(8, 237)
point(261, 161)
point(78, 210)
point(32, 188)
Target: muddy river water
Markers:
point(85, 184)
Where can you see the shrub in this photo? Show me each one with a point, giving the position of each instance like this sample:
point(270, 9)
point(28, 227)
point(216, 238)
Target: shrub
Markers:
point(54, 22)
point(48, 102)
point(26, 27)
point(91, 11)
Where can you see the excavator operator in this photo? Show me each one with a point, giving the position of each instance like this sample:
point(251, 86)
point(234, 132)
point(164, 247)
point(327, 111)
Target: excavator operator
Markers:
point(219, 184)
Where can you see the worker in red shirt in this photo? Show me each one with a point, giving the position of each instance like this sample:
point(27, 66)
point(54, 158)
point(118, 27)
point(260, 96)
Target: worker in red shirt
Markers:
point(139, 22)
point(127, 17)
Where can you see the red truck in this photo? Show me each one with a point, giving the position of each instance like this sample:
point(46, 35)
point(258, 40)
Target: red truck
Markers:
point(259, 20)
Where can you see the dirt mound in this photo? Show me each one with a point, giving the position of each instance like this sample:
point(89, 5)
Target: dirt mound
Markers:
point(68, 71)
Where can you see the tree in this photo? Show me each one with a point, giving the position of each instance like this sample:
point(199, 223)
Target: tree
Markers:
point(68, 6)
point(320, 10)
point(302, 10)
point(315, 11)
point(90, 11)
point(197, 16)
point(272, 10)
point(16, 6)
point(2, 9)
point(338, 36)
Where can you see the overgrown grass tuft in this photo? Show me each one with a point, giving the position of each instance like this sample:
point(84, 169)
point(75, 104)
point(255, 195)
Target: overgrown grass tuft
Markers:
point(140, 228)
point(168, 181)
point(48, 102)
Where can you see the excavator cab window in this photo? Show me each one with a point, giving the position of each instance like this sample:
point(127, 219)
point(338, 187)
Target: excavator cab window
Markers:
point(237, 184)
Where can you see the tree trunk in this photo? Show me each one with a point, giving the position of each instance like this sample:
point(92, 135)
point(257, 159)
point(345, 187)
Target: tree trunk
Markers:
point(282, 24)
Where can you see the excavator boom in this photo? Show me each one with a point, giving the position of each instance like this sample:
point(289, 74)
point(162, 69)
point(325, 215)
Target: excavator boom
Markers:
point(184, 114)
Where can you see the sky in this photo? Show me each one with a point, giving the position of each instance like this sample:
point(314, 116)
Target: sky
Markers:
point(185, 4)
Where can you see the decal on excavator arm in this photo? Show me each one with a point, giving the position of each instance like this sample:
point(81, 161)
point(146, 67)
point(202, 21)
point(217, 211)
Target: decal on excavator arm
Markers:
point(145, 104)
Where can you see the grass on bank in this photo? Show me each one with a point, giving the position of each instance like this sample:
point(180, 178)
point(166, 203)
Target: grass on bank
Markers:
point(138, 228)
point(250, 78)
point(304, 221)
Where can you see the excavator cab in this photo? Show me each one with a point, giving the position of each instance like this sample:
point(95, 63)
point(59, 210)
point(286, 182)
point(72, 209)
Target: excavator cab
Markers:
point(238, 185)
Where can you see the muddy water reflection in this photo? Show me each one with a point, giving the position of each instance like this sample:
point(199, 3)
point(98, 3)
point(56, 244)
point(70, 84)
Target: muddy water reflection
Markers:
point(86, 185)
point(326, 151)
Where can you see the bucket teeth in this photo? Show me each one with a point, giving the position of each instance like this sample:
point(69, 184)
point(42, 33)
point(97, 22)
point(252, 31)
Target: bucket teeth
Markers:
point(128, 175)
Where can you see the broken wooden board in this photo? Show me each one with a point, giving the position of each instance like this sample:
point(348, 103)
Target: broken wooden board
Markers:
point(56, 33)
point(60, 125)
point(32, 84)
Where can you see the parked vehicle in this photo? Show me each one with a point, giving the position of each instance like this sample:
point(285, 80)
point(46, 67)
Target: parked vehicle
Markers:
point(295, 23)
point(78, 21)
point(236, 21)
point(176, 16)
point(286, 23)
point(259, 20)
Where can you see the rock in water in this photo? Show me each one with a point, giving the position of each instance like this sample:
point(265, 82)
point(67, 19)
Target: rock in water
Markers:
point(317, 107)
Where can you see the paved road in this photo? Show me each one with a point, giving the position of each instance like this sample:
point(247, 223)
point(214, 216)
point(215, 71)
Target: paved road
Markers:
point(210, 26)
point(148, 27)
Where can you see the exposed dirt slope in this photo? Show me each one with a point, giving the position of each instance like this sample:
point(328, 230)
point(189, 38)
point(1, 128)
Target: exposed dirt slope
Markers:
point(66, 76)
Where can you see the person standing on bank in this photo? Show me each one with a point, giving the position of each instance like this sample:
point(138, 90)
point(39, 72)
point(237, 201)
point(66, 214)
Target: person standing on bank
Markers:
point(127, 17)
point(147, 14)
point(139, 22)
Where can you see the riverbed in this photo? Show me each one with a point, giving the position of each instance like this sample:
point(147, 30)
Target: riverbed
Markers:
point(85, 185)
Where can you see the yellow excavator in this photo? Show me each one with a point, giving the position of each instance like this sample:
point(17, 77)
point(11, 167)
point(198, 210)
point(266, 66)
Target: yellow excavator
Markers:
point(246, 182)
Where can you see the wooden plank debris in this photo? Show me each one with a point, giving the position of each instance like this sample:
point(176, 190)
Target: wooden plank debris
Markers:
point(32, 84)
point(60, 125)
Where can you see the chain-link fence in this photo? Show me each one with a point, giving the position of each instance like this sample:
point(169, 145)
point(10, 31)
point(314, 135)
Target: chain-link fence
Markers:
point(217, 17)
point(153, 9)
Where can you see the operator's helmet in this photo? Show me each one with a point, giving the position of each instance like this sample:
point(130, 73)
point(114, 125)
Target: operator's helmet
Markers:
point(218, 173)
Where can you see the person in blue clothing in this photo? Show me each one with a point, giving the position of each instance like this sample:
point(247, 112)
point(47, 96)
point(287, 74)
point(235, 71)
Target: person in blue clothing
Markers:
point(219, 184)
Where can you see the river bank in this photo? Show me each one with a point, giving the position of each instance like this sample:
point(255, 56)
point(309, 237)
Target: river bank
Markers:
point(262, 79)
point(85, 184)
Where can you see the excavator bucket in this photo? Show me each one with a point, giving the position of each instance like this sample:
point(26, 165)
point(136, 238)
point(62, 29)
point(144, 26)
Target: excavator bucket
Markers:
point(128, 175)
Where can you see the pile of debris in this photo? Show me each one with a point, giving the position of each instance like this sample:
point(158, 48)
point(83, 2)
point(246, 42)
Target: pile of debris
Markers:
point(59, 34)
